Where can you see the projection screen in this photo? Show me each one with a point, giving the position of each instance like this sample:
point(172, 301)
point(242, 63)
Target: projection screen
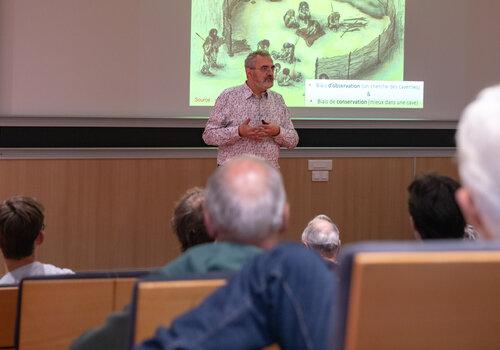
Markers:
point(391, 60)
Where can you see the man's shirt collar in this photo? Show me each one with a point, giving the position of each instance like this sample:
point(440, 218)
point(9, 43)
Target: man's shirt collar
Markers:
point(249, 93)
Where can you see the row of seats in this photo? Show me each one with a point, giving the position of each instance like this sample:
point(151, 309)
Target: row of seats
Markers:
point(392, 296)
point(49, 312)
point(53, 311)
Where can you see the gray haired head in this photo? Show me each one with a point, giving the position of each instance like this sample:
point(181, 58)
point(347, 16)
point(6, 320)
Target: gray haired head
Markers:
point(322, 235)
point(250, 60)
point(478, 142)
point(245, 200)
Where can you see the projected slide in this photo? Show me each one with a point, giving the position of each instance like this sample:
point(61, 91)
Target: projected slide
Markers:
point(316, 45)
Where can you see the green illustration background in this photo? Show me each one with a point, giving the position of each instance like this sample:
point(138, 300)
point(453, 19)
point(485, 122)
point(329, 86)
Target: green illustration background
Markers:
point(256, 20)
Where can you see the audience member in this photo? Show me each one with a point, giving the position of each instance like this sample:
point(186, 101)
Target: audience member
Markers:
point(478, 140)
point(433, 209)
point(21, 232)
point(322, 235)
point(187, 222)
point(283, 296)
point(244, 193)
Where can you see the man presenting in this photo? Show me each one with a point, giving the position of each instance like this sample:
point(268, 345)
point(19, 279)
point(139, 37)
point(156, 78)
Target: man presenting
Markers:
point(249, 119)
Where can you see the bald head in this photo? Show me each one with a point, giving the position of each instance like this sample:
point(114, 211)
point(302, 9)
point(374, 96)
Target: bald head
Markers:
point(245, 200)
point(322, 235)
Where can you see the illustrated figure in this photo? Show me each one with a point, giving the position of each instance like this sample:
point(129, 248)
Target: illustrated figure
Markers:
point(263, 45)
point(296, 76)
point(314, 28)
point(333, 21)
point(287, 53)
point(303, 14)
point(311, 33)
point(290, 19)
point(277, 71)
point(210, 51)
point(285, 79)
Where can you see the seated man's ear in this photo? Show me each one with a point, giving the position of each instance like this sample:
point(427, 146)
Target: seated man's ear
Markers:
point(469, 210)
point(416, 234)
point(39, 239)
point(286, 218)
point(209, 225)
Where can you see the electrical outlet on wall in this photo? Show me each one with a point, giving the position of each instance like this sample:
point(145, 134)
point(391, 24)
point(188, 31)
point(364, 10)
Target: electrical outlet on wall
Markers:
point(320, 175)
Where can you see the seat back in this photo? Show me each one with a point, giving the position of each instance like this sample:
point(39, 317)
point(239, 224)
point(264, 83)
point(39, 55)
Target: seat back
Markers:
point(8, 310)
point(424, 300)
point(123, 293)
point(52, 312)
point(158, 303)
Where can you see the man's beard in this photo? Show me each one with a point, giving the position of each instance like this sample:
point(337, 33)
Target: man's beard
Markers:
point(268, 80)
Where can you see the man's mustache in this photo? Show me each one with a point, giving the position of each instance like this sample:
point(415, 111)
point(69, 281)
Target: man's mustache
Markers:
point(269, 78)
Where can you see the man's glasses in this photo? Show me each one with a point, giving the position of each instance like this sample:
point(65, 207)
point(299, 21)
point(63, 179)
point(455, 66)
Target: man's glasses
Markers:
point(265, 69)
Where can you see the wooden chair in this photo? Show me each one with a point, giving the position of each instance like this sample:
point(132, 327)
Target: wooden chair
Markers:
point(158, 303)
point(53, 312)
point(424, 300)
point(123, 292)
point(8, 311)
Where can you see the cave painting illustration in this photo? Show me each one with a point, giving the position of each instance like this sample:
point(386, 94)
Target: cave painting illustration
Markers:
point(315, 39)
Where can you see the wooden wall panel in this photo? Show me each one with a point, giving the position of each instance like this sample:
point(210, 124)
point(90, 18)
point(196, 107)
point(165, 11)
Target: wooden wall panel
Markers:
point(366, 197)
point(114, 213)
point(106, 213)
point(373, 190)
point(440, 165)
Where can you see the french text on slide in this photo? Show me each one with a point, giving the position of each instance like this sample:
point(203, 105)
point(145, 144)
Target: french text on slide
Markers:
point(364, 93)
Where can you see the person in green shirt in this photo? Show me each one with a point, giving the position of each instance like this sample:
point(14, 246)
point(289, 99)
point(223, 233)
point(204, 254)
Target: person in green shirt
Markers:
point(245, 211)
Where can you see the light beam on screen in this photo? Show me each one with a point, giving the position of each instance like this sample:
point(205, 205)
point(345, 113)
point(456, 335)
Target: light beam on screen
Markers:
point(361, 40)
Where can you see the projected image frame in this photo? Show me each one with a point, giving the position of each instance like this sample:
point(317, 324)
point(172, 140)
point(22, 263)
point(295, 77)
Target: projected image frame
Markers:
point(315, 39)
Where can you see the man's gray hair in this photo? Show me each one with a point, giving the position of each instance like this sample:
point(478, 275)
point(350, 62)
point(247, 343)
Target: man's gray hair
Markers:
point(478, 144)
point(322, 235)
point(245, 199)
point(250, 60)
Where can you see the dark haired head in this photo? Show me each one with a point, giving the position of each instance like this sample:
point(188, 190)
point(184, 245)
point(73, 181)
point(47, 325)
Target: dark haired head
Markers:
point(187, 222)
point(21, 221)
point(433, 208)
